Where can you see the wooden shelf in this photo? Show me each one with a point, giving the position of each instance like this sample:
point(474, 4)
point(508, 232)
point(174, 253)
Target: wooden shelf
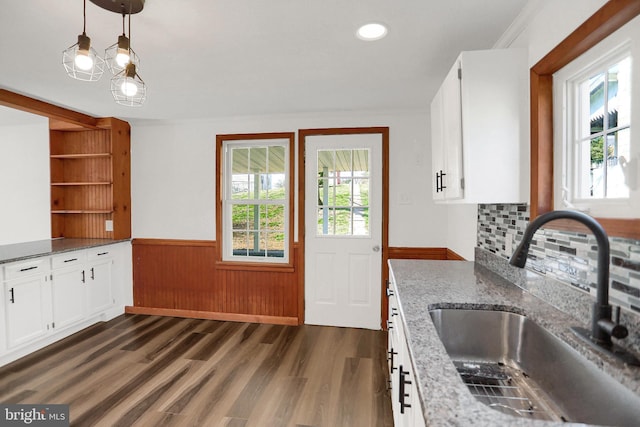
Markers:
point(81, 183)
point(80, 156)
point(82, 212)
point(90, 180)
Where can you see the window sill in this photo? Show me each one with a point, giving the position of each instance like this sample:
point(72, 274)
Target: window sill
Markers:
point(255, 266)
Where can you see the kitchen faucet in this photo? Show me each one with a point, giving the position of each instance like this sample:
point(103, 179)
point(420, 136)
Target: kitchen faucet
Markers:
point(602, 327)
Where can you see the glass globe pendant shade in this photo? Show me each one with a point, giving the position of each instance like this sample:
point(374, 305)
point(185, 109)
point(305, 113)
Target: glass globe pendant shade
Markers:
point(118, 55)
point(82, 62)
point(128, 88)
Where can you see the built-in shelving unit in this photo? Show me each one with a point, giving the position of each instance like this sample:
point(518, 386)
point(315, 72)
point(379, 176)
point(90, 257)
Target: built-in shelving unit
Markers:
point(90, 180)
point(90, 170)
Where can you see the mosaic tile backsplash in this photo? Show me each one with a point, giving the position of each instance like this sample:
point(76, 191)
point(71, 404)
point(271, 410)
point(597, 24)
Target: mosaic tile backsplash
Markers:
point(569, 257)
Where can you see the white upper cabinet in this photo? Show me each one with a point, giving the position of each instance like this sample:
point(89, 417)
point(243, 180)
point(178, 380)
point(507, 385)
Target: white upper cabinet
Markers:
point(478, 119)
point(446, 121)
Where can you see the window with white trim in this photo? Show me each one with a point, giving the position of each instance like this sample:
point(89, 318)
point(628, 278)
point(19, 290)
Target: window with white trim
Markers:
point(596, 153)
point(256, 200)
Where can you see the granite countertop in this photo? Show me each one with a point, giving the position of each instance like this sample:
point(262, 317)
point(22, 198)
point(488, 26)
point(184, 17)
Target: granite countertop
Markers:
point(424, 285)
point(38, 248)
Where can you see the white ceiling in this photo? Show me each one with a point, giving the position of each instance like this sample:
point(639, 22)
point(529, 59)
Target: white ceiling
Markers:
point(213, 58)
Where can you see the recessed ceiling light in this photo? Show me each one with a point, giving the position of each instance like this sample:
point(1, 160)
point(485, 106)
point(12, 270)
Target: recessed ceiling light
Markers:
point(371, 32)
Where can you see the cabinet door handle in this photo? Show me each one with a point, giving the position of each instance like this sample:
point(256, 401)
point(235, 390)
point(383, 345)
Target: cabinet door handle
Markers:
point(401, 390)
point(83, 278)
point(391, 354)
point(93, 277)
point(394, 311)
point(389, 324)
point(13, 296)
point(440, 181)
point(71, 260)
point(29, 268)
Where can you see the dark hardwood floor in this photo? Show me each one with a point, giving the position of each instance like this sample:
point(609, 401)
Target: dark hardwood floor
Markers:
point(164, 371)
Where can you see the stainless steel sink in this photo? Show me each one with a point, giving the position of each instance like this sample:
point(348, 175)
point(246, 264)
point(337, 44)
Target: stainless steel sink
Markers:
point(513, 365)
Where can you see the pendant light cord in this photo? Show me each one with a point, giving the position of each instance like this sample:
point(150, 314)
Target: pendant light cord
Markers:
point(129, 28)
point(84, 19)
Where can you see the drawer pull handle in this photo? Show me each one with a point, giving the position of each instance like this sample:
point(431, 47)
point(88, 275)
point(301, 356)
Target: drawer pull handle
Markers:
point(13, 296)
point(28, 268)
point(391, 354)
point(71, 260)
point(389, 324)
point(401, 392)
point(103, 253)
point(389, 292)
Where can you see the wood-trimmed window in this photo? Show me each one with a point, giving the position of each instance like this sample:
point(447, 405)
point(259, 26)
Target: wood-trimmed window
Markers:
point(594, 149)
point(612, 16)
point(254, 193)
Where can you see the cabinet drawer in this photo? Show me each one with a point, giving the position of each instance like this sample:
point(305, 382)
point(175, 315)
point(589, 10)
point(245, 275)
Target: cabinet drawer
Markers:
point(25, 268)
point(68, 259)
point(100, 253)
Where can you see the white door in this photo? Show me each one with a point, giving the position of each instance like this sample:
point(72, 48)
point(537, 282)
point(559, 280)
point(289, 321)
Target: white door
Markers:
point(343, 236)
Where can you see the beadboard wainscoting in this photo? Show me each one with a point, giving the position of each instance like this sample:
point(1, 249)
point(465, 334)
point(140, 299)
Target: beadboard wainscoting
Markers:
point(181, 278)
point(568, 256)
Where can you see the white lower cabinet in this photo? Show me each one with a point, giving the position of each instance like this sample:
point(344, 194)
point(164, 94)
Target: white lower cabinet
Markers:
point(28, 309)
point(408, 400)
point(68, 282)
point(405, 402)
point(45, 299)
point(98, 272)
point(393, 359)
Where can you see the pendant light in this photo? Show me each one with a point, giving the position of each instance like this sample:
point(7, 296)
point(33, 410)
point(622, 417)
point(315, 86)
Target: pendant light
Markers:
point(81, 61)
point(119, 54)
point(127, 87)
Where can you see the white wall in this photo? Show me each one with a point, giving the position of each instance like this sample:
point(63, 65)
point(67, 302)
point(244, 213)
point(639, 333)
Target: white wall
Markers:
point(24, 181)
point(173, 173)
point(547, 23)
point(462, 228)
point(552, 22)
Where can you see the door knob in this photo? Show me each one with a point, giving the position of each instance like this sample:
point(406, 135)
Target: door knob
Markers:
point(376, 248)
